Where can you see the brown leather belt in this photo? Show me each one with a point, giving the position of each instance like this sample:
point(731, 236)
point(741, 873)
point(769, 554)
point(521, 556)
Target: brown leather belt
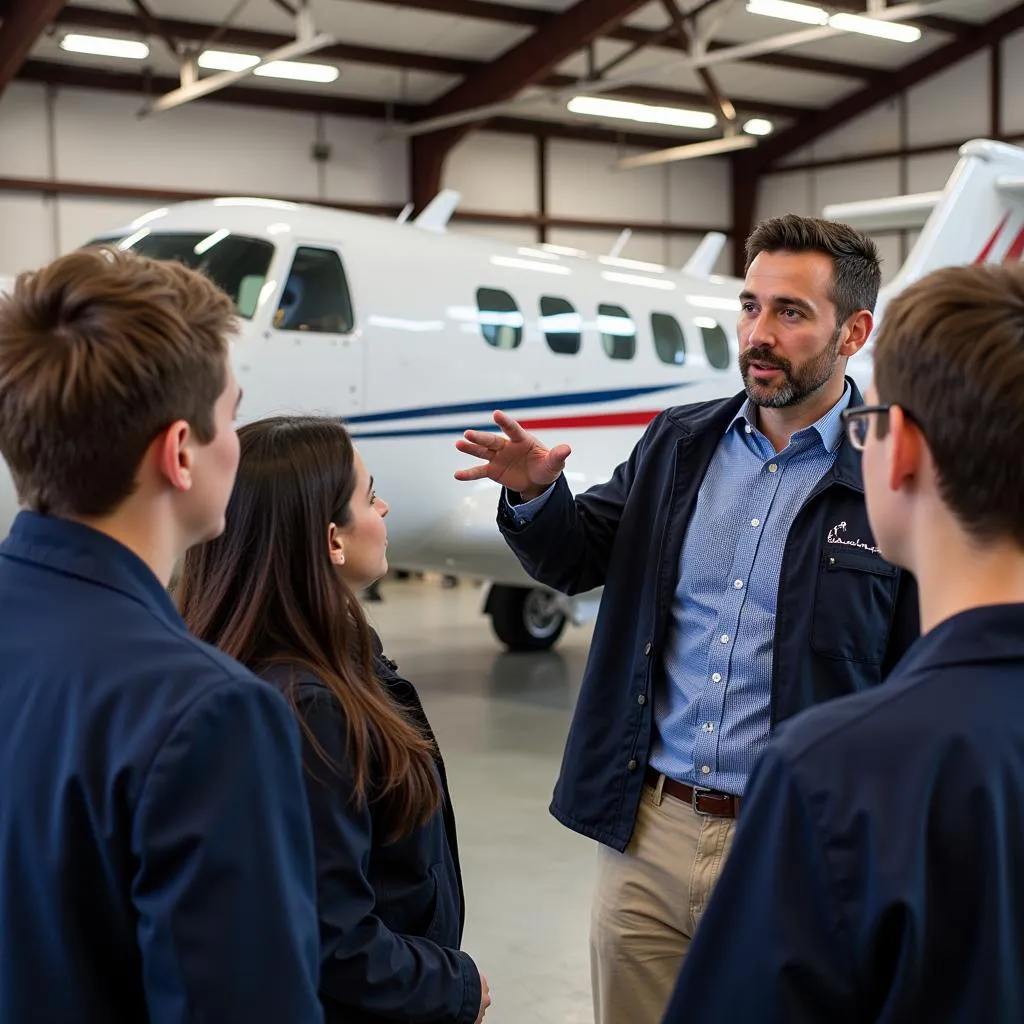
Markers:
point(703, 801)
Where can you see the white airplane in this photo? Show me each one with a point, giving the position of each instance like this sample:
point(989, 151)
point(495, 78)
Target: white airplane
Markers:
point(411, 335)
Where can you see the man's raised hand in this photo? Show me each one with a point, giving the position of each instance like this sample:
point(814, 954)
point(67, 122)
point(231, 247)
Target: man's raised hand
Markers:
point(517, 461)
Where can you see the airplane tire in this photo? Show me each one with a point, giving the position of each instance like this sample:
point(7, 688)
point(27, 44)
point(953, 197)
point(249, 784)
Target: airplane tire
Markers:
point(524, 618)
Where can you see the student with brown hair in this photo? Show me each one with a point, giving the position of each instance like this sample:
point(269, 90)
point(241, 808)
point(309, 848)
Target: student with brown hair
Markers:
point(155, 851)
point(876, 870)
point(278, 591)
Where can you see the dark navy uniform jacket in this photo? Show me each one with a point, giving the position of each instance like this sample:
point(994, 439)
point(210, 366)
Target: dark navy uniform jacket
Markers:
point(391, 913)
point(843, 618)
point(877, 872)
point(156, 860)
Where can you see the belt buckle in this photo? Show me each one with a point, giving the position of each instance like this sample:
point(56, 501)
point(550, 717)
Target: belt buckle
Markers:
point(693, 800)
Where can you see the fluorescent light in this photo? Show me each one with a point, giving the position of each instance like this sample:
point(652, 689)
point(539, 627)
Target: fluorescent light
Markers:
point(223, 60)
point(713, 302)
point(873, 27)
point(210, 241)
point(758, 126)
point(300, 71)
point(137, 236)
point(105, 46)
point(598, 106)
point(563, 250)
point(539, 254)
point(804, 13)
point(706, 322)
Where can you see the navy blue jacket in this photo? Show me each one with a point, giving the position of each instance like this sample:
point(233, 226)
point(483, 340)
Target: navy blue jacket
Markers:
point(876, 872)
point(156, 861)
point(844, 615)
point(391, 914)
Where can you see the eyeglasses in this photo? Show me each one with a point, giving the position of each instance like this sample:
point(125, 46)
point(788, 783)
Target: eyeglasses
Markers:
point(856, 421)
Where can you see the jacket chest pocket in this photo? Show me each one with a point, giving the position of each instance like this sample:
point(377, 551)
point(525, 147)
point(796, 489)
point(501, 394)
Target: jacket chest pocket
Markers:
point(853, 605)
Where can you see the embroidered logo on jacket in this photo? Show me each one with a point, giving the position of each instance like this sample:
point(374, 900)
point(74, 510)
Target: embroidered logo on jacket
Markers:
point(834, 538)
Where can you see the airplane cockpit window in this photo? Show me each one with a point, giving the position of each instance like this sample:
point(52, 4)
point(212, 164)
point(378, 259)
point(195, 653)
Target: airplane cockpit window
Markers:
point(561, 325)
point(618, 332)
point(501, 322)
point(316, 295)
point(235, 263)
point(669, 342)
point(716, 343)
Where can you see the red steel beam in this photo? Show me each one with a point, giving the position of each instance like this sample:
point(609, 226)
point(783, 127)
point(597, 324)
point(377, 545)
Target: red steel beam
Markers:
point(23, 23)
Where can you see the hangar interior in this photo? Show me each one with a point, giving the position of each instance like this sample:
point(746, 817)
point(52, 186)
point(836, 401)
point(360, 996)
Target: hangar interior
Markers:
point(406, 97)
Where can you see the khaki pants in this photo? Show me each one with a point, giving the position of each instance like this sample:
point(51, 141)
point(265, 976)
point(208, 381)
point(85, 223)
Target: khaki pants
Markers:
point(647, 903)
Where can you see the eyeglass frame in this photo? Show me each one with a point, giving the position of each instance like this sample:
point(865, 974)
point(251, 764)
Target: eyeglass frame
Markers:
point(850, 416)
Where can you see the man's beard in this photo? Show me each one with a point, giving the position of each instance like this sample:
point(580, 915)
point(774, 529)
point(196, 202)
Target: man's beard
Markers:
point(796, 384)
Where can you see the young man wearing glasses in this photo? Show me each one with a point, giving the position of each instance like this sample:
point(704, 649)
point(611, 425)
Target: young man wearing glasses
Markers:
point(877, 867)
point(742, 584)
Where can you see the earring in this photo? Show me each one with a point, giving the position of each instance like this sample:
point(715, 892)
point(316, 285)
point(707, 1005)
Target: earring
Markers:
point(338, 557)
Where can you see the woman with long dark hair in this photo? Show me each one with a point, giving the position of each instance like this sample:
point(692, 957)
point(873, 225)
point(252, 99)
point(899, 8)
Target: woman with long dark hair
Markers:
point(305, 533)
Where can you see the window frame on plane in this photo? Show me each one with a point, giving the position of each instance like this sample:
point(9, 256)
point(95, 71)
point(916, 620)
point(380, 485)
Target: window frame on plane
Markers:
point(609, 341)
point(561, 342)
point(347, 312)
point(679, 341)
point(513, 319)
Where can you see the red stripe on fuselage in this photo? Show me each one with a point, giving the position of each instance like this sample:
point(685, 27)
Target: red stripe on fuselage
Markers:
point(990, 244)
point(639, 418)
point(1014, 253)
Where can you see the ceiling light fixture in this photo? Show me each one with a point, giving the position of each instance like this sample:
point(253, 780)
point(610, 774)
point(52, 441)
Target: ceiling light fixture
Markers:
point(789, 11)
point(873, 27)
point(298, 71)
point(758, 126)
point(597, 106)
point(105, 46)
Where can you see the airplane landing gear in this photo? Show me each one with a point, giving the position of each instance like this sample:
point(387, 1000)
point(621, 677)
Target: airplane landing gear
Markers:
point(524, 618)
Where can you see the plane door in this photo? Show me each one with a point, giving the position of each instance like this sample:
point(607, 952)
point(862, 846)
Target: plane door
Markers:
point(310, 358)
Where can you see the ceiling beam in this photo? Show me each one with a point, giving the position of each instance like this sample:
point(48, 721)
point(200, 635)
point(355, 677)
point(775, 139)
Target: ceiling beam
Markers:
point(810, 128)
point(23, 24)
point(196, 32)
point(536, 17)
point(536, 57)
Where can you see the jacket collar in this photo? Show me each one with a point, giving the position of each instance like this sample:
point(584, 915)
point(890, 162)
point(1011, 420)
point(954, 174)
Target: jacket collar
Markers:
point(708, 422)
point(994, 633)
point(72, 549)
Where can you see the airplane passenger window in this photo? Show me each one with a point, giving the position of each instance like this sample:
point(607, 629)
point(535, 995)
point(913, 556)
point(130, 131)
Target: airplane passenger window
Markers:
point(501, 322)
point(561, 325)
point(668, 339)
point(316, 296)
point(716, 343)
point(618, 332)
point(237, 264)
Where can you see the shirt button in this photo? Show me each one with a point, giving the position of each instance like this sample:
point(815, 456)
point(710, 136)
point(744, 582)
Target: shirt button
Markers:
point(749, 429)
point(738, 584)
point(773, 468)
point(717, 677)
point(705, 770)
point(632, 764)
point(725, 638)
point(642, 699)
point(755, 522)
point(647, 648)
point(708, 727)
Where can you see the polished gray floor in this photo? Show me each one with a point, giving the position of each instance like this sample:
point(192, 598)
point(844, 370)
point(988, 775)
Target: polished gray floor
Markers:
point(501, 721)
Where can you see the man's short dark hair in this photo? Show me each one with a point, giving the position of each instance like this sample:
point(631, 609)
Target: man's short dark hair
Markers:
point(856, 266)
point(100, 351)
point(950, 350)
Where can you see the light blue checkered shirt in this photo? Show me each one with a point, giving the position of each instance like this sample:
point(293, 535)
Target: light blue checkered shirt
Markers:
point(713, 713)
point(713, 708)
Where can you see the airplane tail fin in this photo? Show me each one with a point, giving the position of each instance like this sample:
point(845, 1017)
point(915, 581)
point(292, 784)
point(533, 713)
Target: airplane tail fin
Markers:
point(977, 218)
point(439, 210)
point(702, 262)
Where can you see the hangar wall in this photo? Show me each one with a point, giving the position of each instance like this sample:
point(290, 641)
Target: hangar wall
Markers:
point(82, 135)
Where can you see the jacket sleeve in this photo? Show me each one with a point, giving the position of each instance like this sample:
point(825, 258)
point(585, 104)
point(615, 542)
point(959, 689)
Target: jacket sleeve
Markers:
point(771, 946)
point(363, 962)
point(224, 885)
point(906, 624)
point(568, 544)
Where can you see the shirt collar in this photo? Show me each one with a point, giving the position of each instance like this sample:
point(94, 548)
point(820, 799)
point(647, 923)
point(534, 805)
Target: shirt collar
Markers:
point(829, 427)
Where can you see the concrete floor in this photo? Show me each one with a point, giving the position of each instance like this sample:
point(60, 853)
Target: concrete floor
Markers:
point(501, 722)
